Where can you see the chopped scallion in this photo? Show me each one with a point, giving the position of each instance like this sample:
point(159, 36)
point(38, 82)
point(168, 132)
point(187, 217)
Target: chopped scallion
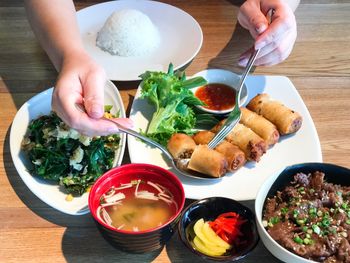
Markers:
point(316, 229)
point(298, 240)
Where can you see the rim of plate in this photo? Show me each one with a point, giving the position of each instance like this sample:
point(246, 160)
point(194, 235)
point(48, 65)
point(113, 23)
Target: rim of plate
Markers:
point(126, 75)
point(21, 169)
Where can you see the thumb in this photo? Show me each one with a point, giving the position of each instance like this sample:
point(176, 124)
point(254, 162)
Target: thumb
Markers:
point(93, 93)
point(259, 22)
point(255, 18)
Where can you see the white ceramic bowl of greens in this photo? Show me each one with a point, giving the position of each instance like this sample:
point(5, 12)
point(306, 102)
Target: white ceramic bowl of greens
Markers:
point(50, 192)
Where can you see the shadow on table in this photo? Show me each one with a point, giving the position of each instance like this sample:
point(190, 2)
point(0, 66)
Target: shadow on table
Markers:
point(239, 42)
point(178, 252)
point(87, 245)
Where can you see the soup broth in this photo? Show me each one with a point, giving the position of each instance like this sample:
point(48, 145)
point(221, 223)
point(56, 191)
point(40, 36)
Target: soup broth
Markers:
point(139, 214)
point(136, 206)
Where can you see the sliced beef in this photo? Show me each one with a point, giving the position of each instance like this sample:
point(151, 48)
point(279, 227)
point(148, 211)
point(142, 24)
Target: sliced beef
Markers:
point(270, 207)
point(317, 180)
point(344, 251)
point(289, 193)
point(302, 179)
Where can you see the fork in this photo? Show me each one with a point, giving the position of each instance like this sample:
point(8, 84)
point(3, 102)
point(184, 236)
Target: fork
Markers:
point(235, 115)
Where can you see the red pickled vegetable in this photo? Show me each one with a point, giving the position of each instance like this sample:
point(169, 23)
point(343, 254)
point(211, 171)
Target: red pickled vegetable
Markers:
point(227, 226)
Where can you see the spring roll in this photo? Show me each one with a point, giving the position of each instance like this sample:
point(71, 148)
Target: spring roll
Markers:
point(208, 161)
point(261, 126)
point(181, 145)
point(286, 120)
point(246, 139)
point(235, 157)
point(203, 137)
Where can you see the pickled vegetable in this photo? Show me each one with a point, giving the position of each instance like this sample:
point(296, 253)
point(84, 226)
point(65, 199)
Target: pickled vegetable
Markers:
point(207, 241)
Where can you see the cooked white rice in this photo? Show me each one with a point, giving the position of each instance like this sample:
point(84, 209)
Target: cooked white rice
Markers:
point(128, 32)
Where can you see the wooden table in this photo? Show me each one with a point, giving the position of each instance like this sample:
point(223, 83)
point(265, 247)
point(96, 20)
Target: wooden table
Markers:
point(31, 231)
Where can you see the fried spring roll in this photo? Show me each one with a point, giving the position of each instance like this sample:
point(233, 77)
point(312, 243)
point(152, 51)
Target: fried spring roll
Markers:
point(181, 145)
point(203, 137)
point(235, 157)
point(246, 139)
point(286, 120)
point(208, 161)
point(261, 126)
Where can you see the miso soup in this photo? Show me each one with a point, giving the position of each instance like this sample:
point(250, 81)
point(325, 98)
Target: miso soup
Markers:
point(137, 214)
point(137, 206)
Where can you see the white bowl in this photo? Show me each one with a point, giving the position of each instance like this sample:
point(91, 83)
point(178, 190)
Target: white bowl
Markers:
point(226, 77)
point(277, 181)
point(50, 192)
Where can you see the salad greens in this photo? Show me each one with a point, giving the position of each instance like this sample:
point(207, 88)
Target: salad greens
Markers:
point(174, 102)
point(61, 154)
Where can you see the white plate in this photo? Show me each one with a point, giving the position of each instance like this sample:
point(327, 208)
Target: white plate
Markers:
point(181, 38)
point(44, 190)
point(304, 146)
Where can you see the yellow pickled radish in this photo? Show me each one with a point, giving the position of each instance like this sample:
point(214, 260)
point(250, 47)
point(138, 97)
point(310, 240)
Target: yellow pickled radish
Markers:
point(207, 241)
point(210, 251)
point(211, 235)
point(198, 230)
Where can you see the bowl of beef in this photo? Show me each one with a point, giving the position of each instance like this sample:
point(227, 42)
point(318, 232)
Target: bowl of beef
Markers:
point(303, 213)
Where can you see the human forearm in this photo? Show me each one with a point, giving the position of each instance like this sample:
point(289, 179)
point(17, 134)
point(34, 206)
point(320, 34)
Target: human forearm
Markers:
point(54, 24)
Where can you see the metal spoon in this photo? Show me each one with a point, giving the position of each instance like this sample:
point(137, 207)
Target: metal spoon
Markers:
point(180, 165)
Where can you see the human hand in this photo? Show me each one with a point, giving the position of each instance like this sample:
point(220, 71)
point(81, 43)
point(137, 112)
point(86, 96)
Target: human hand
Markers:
point(276, 39)
point(82, 81)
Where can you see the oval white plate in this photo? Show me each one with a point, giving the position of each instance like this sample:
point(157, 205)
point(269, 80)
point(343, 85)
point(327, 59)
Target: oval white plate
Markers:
point(46, 191)
point(226, 77)
point(181, 38)
point(304, 146)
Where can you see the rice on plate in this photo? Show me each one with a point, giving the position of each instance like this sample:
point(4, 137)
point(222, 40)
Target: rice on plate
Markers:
point(127, 33)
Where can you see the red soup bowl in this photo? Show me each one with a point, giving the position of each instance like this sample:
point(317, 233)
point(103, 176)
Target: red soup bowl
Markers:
point(137, 241)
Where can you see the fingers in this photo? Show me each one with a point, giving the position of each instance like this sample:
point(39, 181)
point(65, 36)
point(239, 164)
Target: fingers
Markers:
point(277, 41)
point(283, 21)
point(251, 18)
point(243, 59)
point(65, 108)
point(126, 122)
point(277, 51)
point(68, 93)
point(93, 92)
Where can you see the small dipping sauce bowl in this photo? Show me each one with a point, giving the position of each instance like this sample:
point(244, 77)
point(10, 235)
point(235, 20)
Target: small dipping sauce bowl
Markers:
point(219, 94)
point(143, 240)
point(209, 209)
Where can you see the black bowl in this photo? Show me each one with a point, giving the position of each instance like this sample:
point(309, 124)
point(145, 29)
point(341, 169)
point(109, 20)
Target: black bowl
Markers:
point(209, 209)
point(333, 174)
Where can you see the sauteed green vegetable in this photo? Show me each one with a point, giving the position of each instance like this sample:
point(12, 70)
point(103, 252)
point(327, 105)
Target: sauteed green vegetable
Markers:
point(61, 154)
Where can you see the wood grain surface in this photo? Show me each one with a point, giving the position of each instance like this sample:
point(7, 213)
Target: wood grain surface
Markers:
point(319, 67)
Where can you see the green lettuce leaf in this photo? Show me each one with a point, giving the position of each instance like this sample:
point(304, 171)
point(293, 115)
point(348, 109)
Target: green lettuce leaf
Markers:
point(173, 101)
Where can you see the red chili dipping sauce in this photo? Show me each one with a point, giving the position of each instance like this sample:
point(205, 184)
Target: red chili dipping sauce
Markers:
point(216, 96)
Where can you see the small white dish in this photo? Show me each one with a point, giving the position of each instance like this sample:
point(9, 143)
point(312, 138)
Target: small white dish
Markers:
point(49, 192)
point(222, 76)
point(181, 38)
